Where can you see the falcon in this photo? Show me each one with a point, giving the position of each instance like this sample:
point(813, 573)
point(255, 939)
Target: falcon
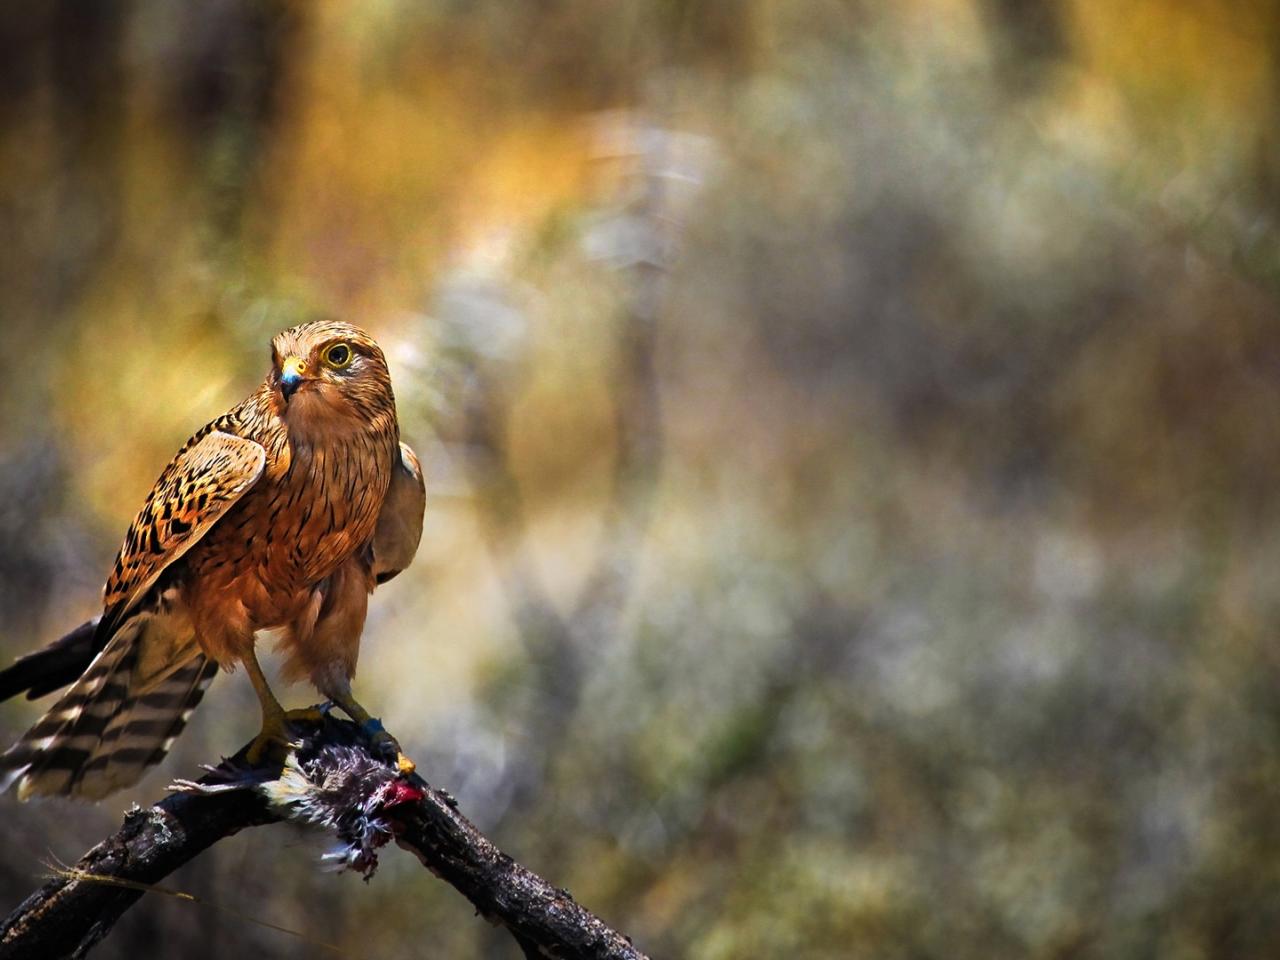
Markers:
point(282, 515)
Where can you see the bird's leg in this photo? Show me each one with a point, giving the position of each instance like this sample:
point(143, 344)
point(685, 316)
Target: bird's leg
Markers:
point(274, 734)
point(373, 727)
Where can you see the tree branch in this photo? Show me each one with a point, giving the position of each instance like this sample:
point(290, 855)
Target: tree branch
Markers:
point(330, 779)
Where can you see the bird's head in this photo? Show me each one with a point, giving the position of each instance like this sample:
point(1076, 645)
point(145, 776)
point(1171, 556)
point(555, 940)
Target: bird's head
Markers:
point(329, 373)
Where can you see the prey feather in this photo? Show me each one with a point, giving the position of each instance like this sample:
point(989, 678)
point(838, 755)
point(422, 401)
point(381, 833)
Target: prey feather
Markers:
point(330, 781)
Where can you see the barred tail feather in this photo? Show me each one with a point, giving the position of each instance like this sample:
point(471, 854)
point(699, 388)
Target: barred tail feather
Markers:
point(102, 734)
point(52, 667)
point(142, 731)
point(48, 755)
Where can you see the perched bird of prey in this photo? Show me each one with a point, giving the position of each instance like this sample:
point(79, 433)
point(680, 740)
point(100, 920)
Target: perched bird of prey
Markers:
point(282, 514)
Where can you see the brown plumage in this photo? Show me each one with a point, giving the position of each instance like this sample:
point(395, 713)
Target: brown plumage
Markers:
point(282, 514)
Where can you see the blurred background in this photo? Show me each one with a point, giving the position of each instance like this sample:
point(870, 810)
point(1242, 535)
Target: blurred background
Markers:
point(851, 432)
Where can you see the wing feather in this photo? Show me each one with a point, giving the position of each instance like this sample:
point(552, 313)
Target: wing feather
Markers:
point(399, 530)
point(201, 484)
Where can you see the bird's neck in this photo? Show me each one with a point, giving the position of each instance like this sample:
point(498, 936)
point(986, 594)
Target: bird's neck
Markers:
point(312, 424)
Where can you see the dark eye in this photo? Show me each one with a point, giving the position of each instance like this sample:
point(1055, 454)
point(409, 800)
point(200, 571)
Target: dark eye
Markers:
point(337, 356)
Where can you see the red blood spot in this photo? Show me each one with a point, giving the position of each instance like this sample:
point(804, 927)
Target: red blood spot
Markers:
point(402, 791)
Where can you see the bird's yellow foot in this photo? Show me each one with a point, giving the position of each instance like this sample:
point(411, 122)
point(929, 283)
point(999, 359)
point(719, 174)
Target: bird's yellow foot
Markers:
point(387, 745)
point(382, 742)
point(272, 741)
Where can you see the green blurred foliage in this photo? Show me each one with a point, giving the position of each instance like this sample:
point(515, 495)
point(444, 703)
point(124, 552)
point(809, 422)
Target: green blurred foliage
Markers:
point(851, 431)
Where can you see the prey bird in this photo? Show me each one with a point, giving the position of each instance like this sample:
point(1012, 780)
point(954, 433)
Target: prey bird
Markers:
point(282, 515)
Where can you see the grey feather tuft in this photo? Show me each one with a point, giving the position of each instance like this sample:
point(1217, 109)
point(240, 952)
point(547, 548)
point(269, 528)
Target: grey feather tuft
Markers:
point(329, 779)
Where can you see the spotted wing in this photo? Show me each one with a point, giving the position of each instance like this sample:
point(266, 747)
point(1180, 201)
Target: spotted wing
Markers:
point(395, 540)
point(195, 490)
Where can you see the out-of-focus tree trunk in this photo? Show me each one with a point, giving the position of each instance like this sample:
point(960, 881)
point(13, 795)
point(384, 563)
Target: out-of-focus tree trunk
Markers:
point(1268, 148)
point(1029, 37)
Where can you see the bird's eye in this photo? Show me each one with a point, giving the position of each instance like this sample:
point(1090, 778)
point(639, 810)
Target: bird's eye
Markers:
point(337, 356)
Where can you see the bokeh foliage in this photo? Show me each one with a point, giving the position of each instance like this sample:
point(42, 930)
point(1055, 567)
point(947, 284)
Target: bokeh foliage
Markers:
point(851, 429)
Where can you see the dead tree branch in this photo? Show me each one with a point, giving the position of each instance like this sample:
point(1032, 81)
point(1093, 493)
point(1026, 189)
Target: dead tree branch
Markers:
point(330, 779)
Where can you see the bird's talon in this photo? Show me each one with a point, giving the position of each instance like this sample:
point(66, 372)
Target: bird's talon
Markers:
point(273, 741)
point(384, 744)
point(266, 746)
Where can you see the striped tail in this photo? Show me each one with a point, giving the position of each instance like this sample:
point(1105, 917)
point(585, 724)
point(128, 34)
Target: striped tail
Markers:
point(106, 730)
point(54, 666)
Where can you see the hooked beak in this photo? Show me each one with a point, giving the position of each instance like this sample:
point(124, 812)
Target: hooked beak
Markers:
point(291, 375)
